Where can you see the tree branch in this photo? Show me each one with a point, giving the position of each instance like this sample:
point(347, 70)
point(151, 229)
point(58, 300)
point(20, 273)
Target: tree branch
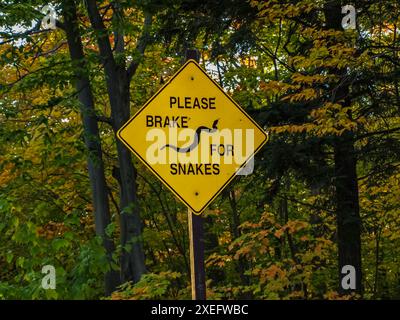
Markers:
point(369, 134)
point(141, 45)
point(119, 45)
point(102, 34)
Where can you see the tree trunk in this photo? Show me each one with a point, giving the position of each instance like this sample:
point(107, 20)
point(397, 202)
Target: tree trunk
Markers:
point(117, 81)
point(347, 209)
point(132, 259)
point(92, 137)
point(346, 185)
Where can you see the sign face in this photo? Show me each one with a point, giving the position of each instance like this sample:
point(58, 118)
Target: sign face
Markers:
point(193, 136)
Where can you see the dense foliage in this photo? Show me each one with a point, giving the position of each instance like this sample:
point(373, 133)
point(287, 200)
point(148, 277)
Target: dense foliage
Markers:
point(326, 187)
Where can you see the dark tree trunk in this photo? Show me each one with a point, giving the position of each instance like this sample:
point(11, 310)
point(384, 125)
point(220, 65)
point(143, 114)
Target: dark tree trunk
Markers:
point(346, 185)
point(92, 137)
point(347, 209)
point(117, 81)
point(132, 260)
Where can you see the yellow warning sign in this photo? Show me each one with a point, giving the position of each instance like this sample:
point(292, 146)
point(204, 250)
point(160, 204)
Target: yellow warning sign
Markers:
point(193, 136)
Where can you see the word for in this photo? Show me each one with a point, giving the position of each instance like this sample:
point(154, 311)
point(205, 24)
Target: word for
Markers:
point(211, 309)
point(49, 20)
point(349, 280)
point(222, 149)
point(189, 103)
point(49, 280)
point(349, 20)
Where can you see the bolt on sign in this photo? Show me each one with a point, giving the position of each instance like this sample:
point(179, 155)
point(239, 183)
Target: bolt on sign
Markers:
point(193, 136)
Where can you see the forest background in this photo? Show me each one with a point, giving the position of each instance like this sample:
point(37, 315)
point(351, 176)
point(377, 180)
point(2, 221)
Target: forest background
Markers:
point(326, 188)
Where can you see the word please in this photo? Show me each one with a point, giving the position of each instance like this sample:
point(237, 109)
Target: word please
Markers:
point(192, 103)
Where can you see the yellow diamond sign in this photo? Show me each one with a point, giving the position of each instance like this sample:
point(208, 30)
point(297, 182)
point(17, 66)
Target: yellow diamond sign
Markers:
point(193, 136)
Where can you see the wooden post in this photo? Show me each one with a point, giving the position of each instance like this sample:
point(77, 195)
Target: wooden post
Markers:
point(197, 269)
point(196, 236)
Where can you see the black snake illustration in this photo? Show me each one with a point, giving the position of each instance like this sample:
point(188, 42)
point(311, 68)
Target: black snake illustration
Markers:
point(196, 139)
